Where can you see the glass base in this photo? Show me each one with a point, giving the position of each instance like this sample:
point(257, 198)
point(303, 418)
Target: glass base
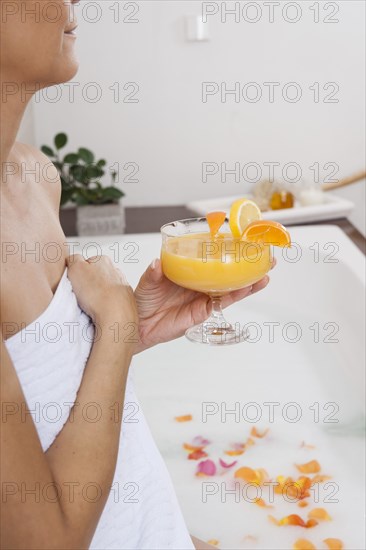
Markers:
point(216, 334)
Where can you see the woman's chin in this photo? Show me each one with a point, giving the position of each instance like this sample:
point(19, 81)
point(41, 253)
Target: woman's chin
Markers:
point(65, 71)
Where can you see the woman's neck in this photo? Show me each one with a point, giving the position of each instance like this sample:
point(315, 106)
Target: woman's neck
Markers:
point(12, 109)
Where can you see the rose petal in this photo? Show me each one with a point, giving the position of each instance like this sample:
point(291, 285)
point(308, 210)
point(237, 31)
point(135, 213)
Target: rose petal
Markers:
point(255, 433)
point(306, 446)
point(183, 418)
point(206, 468)
point(234, 453)
point(312, 467)
point(319, 479)
point(311, 523)
point(293, 519)
point(191, 448)
point(319, 513)
point(238, 446)
point(226, 465)
point(303, 544)
point(196, 455)
point(334, 544)
point(260, 502)
point(251, 476)
point(200, 441)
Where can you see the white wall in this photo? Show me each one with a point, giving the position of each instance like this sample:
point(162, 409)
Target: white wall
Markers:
point(170, 131)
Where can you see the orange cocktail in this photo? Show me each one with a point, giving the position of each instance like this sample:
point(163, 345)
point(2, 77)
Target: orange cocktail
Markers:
point(215, 266)
point(216, 256)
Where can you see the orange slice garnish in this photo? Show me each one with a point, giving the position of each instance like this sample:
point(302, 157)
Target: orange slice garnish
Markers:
point(242, 213)
point(268, 232)
point(215, 221)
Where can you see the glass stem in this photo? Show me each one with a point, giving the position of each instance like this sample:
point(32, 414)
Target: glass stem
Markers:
point(217, 317)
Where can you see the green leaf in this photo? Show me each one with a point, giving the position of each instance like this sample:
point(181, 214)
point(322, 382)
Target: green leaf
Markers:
point(66, 195)
point(86, 155)
point(101, 163)
point(112, 193)
point(47, 151)
point(92, 172)
point(71, 158)
point(60, 141)
point(77, 171)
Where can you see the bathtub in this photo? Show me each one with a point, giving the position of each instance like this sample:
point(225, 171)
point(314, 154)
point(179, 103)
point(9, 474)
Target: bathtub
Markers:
point(301, 374)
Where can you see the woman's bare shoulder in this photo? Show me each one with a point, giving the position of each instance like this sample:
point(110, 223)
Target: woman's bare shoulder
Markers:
point(26, 152)
point(36, 167)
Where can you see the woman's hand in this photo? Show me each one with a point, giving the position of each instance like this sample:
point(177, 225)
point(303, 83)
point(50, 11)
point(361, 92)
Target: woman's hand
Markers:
point(102, 290)
point(166, 310)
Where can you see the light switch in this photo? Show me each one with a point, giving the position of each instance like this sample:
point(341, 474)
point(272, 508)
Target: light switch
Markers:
point(196, 29)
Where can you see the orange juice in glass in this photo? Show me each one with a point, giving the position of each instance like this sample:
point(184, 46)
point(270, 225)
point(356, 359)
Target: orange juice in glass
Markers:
point(215, 265)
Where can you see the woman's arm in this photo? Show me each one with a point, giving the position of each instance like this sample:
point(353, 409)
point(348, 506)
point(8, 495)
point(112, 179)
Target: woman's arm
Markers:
point(84, 452)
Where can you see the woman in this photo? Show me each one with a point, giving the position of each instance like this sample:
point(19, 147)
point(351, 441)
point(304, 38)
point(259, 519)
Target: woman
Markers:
point(72, 478)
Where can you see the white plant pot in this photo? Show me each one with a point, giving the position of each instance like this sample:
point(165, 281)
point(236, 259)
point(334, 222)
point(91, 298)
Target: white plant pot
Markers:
point(101, 219)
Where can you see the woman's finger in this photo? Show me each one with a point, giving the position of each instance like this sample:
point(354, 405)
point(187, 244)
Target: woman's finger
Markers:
point(238, 295)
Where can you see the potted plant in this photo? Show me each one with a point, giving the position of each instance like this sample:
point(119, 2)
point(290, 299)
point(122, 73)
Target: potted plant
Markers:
point(99, 208)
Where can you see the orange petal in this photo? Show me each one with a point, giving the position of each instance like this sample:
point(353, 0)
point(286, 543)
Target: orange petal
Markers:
point(261, 475)
point(247, 474)
point(334, 544)
point(319, 479)
point(312, 467)
point(191, 448)
point(306, 446)
point(302, 503)
point(250, 475)
point(213, 542)
point(273, 520)
point(292, 519)
point(249, 442)
point(254, 432)
point(183, 418)
point(261, 503)
point(234, 453)
point(215, 221)
point(319, 513)
point(282, 483)
point(303, 544)
point(311, 523)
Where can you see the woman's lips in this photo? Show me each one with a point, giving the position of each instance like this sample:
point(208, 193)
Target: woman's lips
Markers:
point(71, 32)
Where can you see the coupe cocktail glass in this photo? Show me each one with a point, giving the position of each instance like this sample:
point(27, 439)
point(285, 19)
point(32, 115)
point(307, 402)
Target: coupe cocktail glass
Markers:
point(216, 266)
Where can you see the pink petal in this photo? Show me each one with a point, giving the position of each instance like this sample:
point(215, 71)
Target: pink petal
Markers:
point(225, 465)
point(206, 467)
point(200, 441)
point(238, 446)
